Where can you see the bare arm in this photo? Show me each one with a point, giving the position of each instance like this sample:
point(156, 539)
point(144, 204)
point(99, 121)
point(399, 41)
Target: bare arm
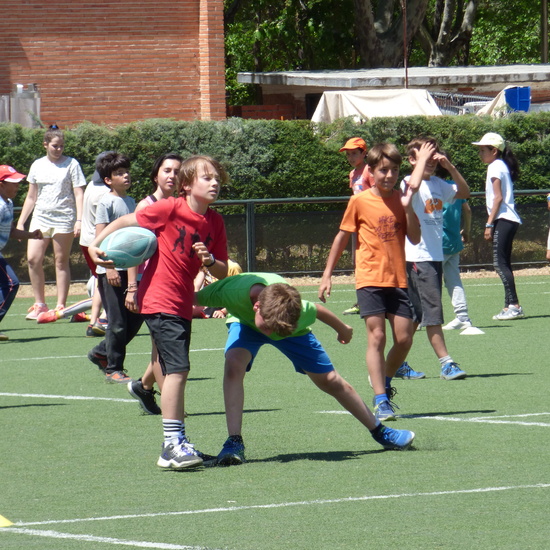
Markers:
point(497, 201)
point(463, 190)
point(413, 225)
point(344, 332)
point(466, 222)
point(338, 245)
point(21, 234)
point(28, 205)
point(79, 199)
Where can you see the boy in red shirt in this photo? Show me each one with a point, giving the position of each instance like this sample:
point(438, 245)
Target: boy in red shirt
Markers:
point(190, 235)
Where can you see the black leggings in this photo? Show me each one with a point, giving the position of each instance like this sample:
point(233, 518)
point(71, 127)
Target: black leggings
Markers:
point(503, 237)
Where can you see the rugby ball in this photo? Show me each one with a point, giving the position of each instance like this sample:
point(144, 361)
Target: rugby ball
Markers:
point(129, 246)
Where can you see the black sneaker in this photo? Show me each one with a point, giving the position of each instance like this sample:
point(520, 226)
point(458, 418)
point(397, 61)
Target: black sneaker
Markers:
point(146, 398)
point(98, 359)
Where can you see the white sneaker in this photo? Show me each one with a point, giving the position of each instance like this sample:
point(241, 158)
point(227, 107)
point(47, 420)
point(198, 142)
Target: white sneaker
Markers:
point(512, 312)
point(457, 324)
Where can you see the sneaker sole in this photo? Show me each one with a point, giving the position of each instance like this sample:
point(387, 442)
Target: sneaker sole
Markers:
point(96, 361)
point(171, 465)
point(411, 377)
point(402, 447)
point(230, 460)
point(114, 381)
point(460, 376)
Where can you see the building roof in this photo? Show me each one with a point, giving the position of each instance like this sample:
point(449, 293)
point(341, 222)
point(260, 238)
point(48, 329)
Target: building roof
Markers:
point(486, 79)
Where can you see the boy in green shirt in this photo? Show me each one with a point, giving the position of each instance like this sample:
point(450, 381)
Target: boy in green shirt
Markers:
point(264, 309)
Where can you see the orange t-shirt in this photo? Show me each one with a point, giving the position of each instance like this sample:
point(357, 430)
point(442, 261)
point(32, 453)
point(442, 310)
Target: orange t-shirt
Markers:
point(381, 226)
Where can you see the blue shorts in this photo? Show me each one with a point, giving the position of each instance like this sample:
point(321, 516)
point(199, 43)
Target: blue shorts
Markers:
point(305, 352)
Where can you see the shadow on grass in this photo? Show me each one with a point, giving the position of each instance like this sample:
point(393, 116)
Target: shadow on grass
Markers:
point(447, 413)
point(222, 413)
point(32, 405)
point(329, 456)
point(497, 374)
point(23, 340)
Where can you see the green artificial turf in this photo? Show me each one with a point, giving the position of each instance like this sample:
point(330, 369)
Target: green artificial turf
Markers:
point(81, 473)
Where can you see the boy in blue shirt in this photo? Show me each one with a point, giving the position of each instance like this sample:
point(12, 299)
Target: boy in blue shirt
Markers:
point(9, 283)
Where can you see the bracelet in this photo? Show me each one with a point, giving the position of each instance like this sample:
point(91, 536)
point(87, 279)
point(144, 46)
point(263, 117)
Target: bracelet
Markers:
point(212, 262)
point(488, 225)
point(79, 220)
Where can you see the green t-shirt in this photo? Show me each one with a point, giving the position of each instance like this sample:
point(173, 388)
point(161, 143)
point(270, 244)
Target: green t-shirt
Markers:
point(233, 293)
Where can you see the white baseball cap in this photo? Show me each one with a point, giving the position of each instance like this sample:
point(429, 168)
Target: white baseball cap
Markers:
point(492, 140)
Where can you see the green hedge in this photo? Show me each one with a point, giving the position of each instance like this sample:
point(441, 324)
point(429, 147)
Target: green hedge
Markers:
point(273, 158)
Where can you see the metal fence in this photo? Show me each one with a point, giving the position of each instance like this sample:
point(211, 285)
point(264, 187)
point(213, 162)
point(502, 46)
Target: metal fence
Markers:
point(265, 235)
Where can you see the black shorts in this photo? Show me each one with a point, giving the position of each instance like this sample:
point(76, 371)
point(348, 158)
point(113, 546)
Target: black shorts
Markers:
point(172, 336)
point(425, 284)
point(373, 300)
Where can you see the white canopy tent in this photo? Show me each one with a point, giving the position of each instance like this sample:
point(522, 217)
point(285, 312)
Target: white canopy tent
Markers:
point(365, 104)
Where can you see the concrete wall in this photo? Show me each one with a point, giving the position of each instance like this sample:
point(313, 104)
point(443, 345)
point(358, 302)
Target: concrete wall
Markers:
point(115, 61)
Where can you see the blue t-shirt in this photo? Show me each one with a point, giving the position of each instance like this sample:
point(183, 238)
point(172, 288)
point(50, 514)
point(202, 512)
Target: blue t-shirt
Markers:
point(6, 221)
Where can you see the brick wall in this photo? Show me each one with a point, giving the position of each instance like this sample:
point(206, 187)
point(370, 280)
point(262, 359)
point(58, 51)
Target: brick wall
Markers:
point(113, 62)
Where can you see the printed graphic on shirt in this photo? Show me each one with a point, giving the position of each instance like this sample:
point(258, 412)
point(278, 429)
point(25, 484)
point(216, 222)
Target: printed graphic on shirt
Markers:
point(180, 240)
point(432, 205)
point(387, 228)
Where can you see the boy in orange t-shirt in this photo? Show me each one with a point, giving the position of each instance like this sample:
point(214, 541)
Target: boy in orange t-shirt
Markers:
point(382, 217)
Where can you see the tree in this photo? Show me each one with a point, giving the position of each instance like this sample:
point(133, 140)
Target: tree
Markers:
point(380, 30)
point(445, 35)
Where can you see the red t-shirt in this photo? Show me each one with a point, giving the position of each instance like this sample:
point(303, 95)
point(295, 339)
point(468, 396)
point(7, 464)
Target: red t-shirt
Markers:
point(167, 283)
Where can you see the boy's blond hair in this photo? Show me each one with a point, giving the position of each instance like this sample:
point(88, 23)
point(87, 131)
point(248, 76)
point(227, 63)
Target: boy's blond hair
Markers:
point(381, 151)
point(189, 168)
point(280, 308)
point(416, 143)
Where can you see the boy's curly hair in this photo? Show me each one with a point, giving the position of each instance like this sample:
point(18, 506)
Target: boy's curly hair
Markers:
point(280, 307)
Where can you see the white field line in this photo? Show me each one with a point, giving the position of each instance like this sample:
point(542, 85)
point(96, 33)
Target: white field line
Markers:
point(67, 397)
point(271, 506)
point(479, 419)
point(83, 356)
point(106, 540)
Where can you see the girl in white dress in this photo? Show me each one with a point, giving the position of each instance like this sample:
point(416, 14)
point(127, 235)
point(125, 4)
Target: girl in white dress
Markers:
point(56, 190)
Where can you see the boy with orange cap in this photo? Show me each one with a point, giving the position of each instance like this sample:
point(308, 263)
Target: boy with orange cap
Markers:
point(359, 179)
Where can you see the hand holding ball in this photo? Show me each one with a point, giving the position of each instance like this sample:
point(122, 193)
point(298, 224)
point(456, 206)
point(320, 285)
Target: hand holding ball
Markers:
point(129, 246)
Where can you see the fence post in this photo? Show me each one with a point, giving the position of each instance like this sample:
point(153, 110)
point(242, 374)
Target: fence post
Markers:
point(250, 237)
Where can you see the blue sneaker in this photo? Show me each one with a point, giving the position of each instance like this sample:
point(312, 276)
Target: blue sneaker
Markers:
point(407, 373)
point(451, 371)
point(232, 452)
point(384, 411)
point(395, 440)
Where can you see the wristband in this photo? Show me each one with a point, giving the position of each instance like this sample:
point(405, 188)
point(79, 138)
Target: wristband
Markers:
point(212, 262)
point(79, 220)
point(488, 225)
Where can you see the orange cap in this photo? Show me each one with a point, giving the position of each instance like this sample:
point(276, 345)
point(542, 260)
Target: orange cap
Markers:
point(354, 143)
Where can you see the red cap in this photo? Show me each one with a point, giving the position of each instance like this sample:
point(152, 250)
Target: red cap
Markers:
point(354, 143)
point(7, 173)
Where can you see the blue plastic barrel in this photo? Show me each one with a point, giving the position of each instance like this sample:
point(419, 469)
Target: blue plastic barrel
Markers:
point(518, 98)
